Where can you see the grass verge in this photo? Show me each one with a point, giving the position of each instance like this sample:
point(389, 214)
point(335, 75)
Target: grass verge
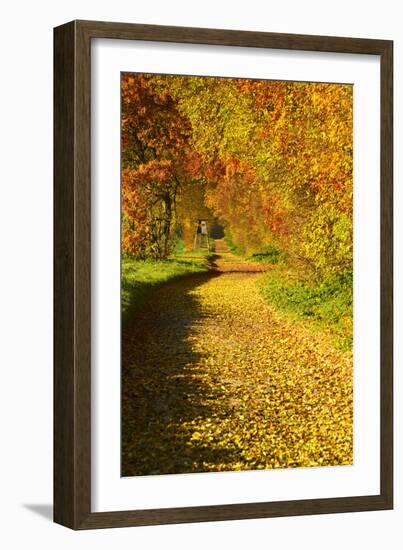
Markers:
point(141, 277)
point(270, 255)
point(326, 306)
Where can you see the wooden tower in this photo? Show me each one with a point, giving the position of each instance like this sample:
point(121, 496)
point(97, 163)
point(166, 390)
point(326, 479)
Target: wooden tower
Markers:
point(201, 239)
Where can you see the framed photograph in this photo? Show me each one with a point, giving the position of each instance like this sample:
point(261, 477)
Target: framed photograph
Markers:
point(222, 275)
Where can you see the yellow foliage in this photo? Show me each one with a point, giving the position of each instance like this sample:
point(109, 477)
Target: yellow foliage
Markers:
point(214, 380)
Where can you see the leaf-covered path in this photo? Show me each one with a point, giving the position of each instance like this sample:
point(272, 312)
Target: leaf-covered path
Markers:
point(214, 379)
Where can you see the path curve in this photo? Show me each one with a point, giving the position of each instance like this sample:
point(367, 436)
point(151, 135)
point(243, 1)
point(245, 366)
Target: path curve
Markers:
point(214, 379)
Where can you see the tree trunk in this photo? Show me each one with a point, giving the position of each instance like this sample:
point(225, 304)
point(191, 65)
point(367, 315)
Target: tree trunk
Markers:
point(167, 225)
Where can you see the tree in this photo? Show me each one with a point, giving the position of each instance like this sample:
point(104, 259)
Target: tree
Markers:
point(270, 160)
point(278, 161)
point(155, 150)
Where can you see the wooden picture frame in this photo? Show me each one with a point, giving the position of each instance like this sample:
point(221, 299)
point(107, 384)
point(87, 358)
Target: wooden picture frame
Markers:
point(72, 270)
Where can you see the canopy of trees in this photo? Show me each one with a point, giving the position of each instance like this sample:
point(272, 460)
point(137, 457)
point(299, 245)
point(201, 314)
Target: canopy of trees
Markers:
point(270, 161)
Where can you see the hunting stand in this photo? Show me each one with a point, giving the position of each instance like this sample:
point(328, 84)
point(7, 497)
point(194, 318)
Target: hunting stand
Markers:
point(201, 239)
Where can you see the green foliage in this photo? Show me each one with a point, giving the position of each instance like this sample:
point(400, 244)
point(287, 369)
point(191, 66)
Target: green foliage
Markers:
point(326, 305)
point(141, 277)
point(270, 255)
point(179, 248)
point(233, 247)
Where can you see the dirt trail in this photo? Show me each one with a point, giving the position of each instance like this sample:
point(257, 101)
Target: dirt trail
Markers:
point(214, 379)
point(226, 262)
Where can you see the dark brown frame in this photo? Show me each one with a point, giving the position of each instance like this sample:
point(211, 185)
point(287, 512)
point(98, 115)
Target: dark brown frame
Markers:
point(72, 319)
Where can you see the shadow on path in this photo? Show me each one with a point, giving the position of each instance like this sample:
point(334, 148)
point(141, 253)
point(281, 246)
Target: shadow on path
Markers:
point(214, 380)
point(162, 387)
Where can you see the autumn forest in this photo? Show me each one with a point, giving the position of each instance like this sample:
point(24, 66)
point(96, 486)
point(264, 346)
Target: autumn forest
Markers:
point(237, 249)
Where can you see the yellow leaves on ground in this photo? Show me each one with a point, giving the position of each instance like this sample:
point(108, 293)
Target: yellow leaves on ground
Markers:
point(214, 380)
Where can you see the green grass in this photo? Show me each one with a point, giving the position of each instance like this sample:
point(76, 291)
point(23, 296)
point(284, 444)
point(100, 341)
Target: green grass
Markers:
point(270, 255)
point(326, 306)
point(141, 277)
point(235, 249)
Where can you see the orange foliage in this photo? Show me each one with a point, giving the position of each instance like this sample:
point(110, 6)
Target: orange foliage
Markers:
point(271, 160)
